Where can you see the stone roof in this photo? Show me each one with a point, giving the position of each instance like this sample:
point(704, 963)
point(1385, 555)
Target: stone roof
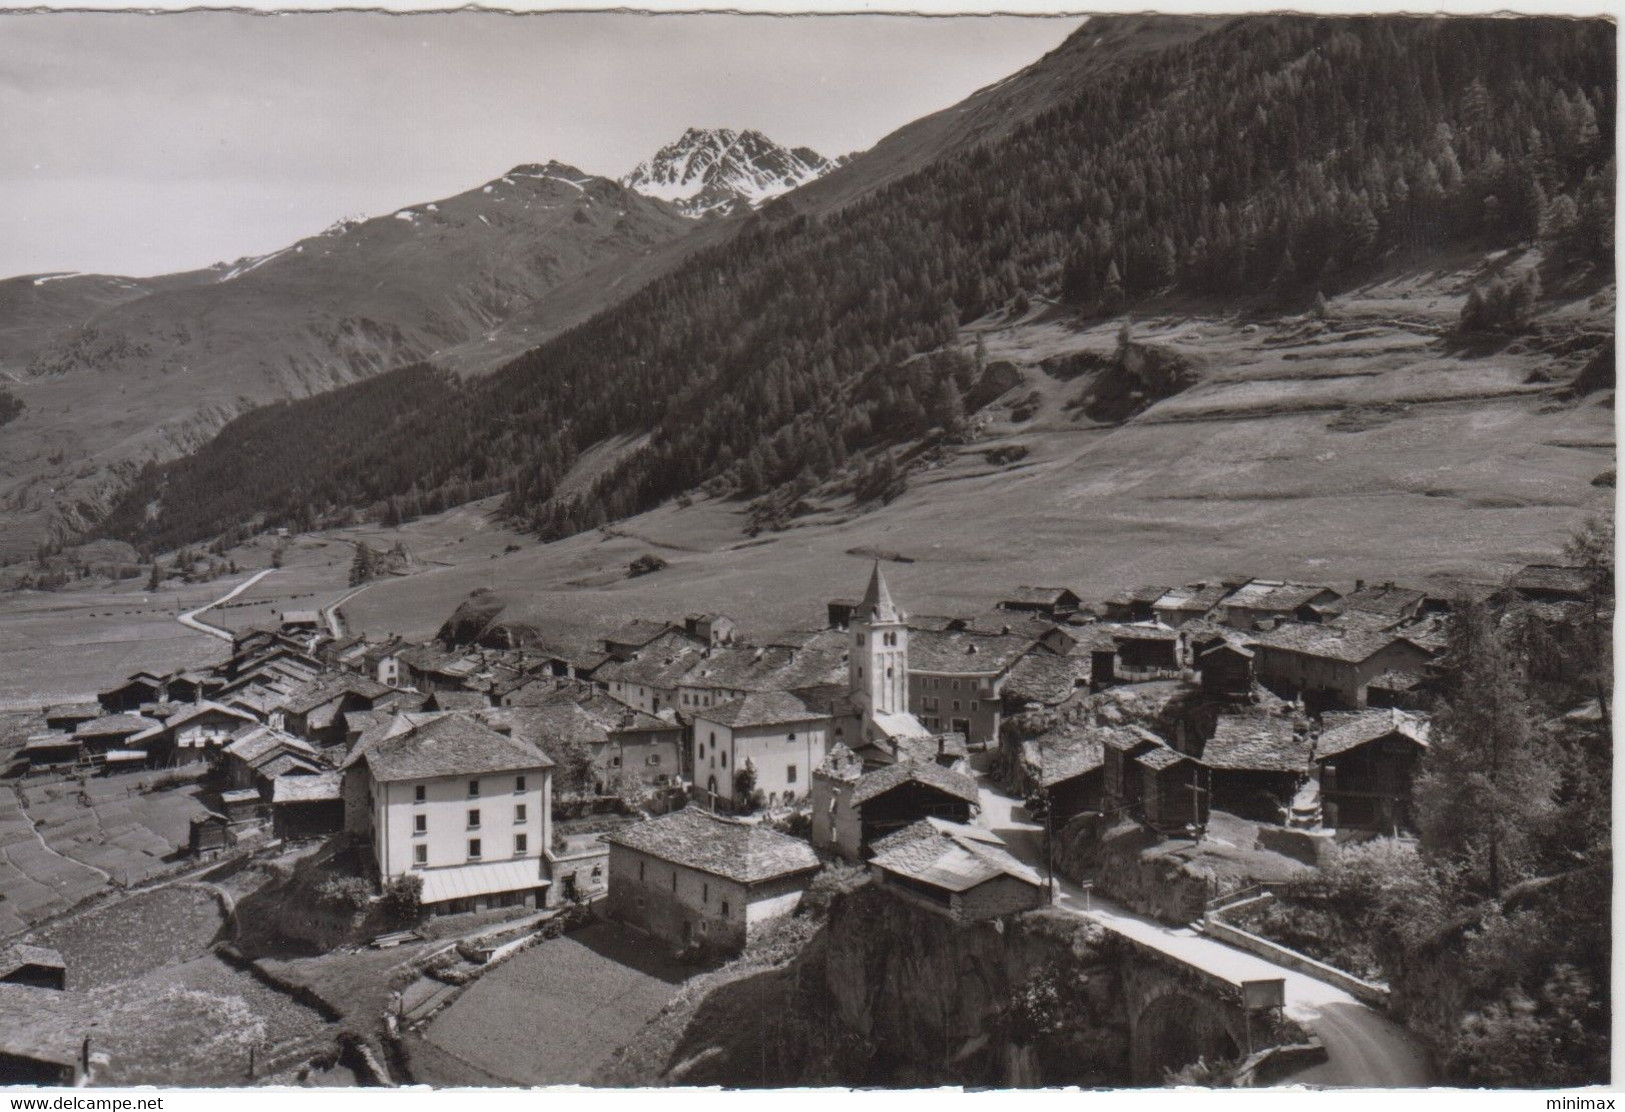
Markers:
point(883, 780)
point(745, 852)
point(1350, 731)
point(1195, 598)
point(1038, 596)
point(460, 700)
point(20, 954)
point(1326, 642)
point(877, 605)
point(1554, 578)
point(82, 711)
point(254, 742)
point(947, 855)
point(964, 653)
point(761, 708)
point(197, 710)
point(1160, 758)
point(1274, 595)
point(450, 745)
point(317, 788)
point(1148, 593)
point(1384, 598)
point(1145, 631)
point(115, 725)
point(1040, 677)
point(637, 632)
point(43, 1024)
point(1257, 743)
point(324, 689)
point(661, 662)
point(1064, 754)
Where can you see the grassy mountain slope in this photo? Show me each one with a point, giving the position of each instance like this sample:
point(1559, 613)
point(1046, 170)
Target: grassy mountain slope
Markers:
point(1249, 165)
point(152, 369)
point(1366, 446)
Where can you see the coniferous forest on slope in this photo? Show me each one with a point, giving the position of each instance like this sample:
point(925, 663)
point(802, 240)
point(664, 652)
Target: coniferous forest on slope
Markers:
point(1269, 158)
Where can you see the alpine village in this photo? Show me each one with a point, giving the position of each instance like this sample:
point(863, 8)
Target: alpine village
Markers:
point(1112, 586)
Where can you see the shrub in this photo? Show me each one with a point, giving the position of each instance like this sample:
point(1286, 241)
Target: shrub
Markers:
point(645, 564)
point(403, 899)
point(348, 893)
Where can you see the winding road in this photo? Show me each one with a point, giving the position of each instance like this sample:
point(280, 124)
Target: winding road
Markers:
point(190, 618)
point(1364, 1048)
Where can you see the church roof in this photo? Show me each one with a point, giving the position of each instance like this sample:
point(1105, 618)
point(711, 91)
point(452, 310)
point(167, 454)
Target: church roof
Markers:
point(877, 605)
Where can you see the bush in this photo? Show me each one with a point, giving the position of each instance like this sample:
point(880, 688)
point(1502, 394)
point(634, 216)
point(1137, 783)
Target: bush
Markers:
point(646, 564)
point(348, 893)
point(403, 899)
point(1500, 305)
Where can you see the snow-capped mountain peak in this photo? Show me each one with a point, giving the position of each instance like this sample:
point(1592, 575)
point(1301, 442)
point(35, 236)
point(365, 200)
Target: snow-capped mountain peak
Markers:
point(711, 169)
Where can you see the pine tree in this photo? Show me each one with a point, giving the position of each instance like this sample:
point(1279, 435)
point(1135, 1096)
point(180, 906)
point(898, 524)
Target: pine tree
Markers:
point(1488, 781)
point(364, 566)
point(156, 579)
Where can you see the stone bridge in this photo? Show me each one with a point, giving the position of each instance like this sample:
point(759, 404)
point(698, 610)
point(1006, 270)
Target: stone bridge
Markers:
point(1178, 1012)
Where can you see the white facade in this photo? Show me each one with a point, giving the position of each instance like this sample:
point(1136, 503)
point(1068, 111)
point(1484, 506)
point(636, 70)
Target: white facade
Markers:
point(452, 822)
point(782, 755)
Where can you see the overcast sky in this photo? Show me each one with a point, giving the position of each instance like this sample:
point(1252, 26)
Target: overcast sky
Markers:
point(144, 144)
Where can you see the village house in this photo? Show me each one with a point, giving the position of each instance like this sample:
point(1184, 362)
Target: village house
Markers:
point(458, 804)
point(44, 1037)
point(710, 629)
point(1179, 605)
point(1555, 582)
point(382, 662)
point(209, 833)
point(1384, 601)
point(1258, 601)
point(121, 734)
point(68, 717)
point(307, 806)
point(256, 755)
point(192, 687)
point(776, 735)
point(1134, 605)
point(852, 808)
point(1147, 651)
point(1227, 669)
point(430, 668)
point(649, 677)
point(142, 687)
point(1068, 766)
point(1146, 777)
point(301, 621)
point(52, 750)
point(1328, 667)
point(1042, 679)
point(1057, 603)
point(693, 879)
point(1257, 762)
point(1401, 690)
point(627, 641)
point(956, 680)
point(38, 966)
point(456, 700)
point(1367, 763)
point(955, 870)
point(840, 611)
point(316, 713)
point(193, 734)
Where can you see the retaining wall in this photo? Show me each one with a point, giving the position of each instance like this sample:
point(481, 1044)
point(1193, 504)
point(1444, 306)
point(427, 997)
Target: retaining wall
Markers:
point(1363, 991)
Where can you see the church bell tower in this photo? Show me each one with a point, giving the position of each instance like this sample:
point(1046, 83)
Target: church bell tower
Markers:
point(877, 662)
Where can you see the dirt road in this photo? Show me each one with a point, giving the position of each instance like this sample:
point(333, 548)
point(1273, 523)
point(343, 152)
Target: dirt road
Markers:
point(190, 619)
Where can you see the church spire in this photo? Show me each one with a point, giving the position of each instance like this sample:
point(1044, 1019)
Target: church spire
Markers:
point(877, 605)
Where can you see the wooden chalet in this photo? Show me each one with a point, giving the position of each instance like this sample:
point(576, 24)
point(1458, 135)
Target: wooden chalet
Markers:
point(307, 806)
point(1057, 603)
point(1367, 763)
point(1147, 778)
point(1259, 601)
point(143, 687)
point(957, 871)
point(1134, 605)
point(1331, 668)
point(852, 808)
point(1227, 670)
point(1256, 764)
